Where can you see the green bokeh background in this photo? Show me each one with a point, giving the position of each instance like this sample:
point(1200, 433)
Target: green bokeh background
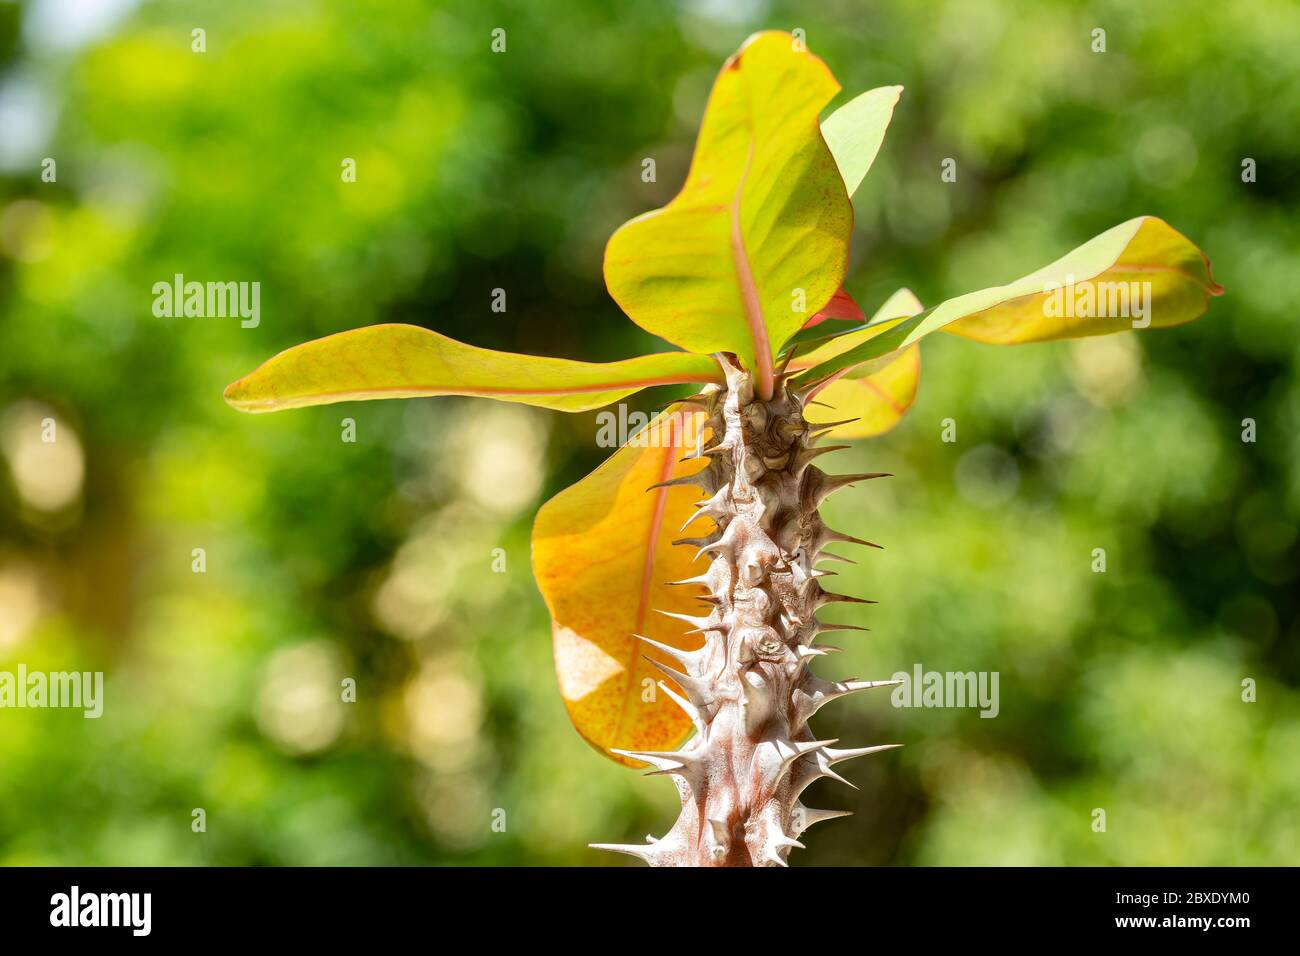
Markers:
point(373, 560)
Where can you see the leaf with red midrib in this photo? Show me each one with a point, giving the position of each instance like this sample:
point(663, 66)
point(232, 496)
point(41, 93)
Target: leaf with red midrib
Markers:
point(603, 558)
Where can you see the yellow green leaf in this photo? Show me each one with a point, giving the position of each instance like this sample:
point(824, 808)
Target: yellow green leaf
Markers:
point(900, 305)
point(603, 558)
point(878, 393)
point(855, 131)
point(1139, 274)
point(757, 240)
point(406, 361)
point(1143, 265)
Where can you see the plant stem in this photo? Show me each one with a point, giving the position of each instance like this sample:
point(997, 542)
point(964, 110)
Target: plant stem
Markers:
point(748, 688)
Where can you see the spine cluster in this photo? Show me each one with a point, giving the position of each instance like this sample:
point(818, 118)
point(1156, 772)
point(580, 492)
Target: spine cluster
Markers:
point(748, 688)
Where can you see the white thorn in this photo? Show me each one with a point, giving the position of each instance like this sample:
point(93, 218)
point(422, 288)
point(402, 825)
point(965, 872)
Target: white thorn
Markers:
point(657, 759)
point(699, 623)
point(688, 659)
point(814, 650)
point(790, 751)
point(700, 692)
point(687, 707)
point(814, 694)
point(820, 767)
point(631, 849)
point(702, 579)
point(835, 756)
point(852, 686)
point(807, 816)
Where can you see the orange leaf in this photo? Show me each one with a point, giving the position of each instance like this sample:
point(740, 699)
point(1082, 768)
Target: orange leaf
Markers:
point(603, 557)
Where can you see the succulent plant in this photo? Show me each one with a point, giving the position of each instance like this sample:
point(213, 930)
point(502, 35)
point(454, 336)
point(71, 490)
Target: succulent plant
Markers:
point(693, 656)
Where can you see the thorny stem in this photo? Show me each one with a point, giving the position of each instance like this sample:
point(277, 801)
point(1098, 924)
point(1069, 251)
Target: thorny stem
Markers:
point(748, 688)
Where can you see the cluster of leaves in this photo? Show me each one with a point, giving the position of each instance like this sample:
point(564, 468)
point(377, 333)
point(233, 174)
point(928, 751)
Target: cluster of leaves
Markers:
point(757, 239)
point(1120, 690)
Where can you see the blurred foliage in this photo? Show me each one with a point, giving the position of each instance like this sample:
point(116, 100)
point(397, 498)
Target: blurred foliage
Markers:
point(374, 560)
